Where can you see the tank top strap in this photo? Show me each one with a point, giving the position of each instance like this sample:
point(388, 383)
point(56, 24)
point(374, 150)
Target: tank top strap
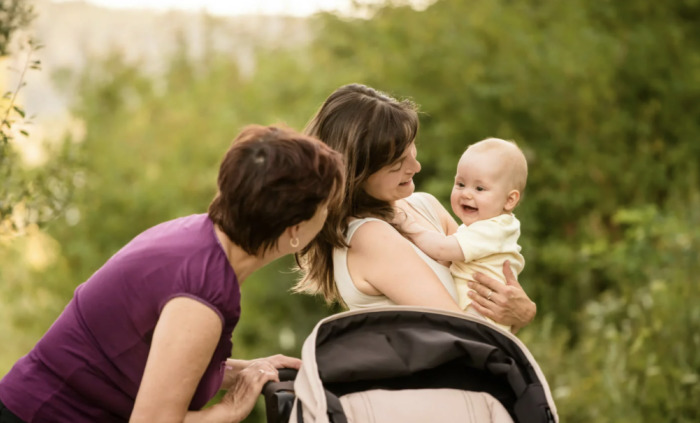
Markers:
point(355, 225)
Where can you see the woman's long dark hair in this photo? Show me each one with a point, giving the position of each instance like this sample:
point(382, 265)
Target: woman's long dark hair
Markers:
point(371, 130)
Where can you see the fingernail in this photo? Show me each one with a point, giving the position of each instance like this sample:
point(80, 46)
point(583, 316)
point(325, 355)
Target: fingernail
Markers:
point(470, 284)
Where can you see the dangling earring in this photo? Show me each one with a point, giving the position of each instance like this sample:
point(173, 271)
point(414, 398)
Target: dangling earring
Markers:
point(294, 242)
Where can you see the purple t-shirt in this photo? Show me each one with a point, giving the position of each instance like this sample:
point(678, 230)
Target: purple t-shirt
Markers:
point(88, 366)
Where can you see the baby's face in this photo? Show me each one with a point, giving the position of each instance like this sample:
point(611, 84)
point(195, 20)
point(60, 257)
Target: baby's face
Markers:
point(481, 187)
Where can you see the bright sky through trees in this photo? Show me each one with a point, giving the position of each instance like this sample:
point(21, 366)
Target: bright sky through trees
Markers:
point(247, 7)
point(231, 7)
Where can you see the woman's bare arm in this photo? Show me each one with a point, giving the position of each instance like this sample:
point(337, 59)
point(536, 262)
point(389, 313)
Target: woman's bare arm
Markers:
point(381, 261)
point(183, 343)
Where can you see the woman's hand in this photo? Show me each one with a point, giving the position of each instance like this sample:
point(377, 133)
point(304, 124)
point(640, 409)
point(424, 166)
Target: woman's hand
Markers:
point(505, 304)
point(247, 385)
point(279, 361)
point(234, 366)
point(244, 380)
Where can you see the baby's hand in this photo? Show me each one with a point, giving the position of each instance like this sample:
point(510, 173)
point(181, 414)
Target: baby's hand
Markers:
point(400, 217)
point(406, 222)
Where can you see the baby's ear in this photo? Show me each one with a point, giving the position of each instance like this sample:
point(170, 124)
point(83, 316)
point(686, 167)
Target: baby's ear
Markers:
point(512, 200)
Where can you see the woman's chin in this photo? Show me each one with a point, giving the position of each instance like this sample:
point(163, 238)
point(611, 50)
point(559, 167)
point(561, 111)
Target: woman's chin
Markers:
point(407, 189)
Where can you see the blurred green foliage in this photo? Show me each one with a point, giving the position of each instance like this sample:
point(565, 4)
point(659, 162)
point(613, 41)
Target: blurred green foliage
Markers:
point(29, 195)
point(602, 96)
point(14, 15)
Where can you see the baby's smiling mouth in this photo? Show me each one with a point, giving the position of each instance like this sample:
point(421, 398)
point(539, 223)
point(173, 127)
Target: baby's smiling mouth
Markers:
point(467, 208)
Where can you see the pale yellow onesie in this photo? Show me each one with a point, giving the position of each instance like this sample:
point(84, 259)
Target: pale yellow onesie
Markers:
point(486, 244)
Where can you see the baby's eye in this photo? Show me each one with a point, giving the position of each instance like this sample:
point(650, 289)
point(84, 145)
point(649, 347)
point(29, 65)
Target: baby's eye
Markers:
point(480, 188)
point(459, 185)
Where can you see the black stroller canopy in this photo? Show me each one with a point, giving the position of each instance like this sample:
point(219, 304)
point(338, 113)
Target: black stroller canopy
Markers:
point(391, 344)
point(384, 362)
point(400, 348)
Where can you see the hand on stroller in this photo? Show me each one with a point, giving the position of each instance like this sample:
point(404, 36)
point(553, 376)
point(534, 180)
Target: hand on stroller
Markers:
point(279, 361)
point(248, 379)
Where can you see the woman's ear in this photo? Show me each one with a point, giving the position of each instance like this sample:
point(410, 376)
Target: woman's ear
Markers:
point(512, 200)
point(293, 231)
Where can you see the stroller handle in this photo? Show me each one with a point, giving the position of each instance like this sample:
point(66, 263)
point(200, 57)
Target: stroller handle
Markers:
point(279, 396)
point(287, 374)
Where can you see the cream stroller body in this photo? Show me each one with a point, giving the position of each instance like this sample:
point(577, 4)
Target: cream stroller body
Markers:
point(412, 364)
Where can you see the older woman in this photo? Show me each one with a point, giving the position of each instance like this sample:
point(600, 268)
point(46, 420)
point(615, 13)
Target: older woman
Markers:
point(360, 258)
point(148, 336)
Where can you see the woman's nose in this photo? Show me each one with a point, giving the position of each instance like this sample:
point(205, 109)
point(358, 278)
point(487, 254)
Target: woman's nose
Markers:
point(414, 165)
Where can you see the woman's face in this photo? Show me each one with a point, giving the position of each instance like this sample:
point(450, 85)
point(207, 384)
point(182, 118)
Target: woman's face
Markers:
point(395, 181)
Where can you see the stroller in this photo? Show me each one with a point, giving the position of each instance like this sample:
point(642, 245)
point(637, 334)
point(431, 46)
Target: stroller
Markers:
point(411, 364)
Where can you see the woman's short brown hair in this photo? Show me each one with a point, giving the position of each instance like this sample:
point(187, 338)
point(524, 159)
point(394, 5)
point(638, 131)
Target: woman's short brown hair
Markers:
point(272, 178)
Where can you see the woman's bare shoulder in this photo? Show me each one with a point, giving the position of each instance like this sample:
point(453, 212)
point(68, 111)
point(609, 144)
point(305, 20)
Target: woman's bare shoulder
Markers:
point(373, 232)
point(376, 241)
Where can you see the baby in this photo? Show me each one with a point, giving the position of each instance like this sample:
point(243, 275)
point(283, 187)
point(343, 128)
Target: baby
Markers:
point(491, 176)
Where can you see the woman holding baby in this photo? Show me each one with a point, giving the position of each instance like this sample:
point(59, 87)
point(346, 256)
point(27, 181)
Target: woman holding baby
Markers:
point(360, 258)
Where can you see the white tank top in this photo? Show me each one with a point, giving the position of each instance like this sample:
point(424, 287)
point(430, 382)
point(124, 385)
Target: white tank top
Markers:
point(353, 298)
